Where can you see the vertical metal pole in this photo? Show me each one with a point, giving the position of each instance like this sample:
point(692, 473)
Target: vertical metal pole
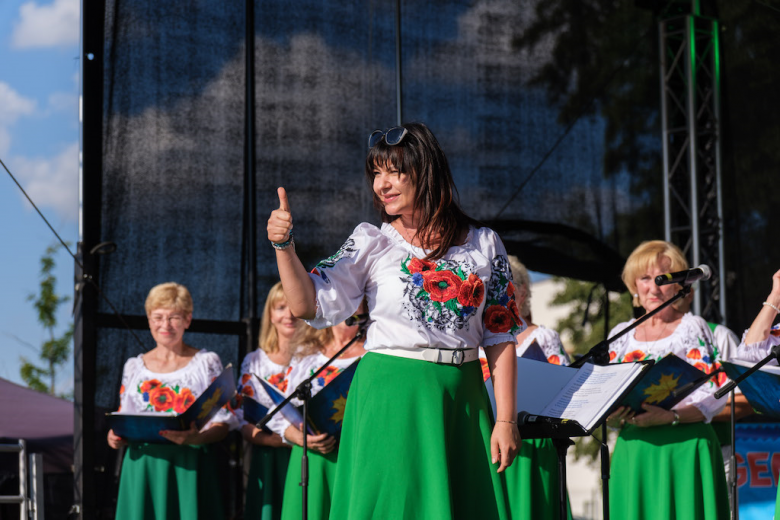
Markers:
point(716, 110)
point(690, 65)
point(36, 487)
point(665, 133)
point(85, 334)
point(23, 479)
point(398, 70)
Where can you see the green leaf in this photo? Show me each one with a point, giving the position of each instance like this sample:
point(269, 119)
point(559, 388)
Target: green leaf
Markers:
point(453, 305)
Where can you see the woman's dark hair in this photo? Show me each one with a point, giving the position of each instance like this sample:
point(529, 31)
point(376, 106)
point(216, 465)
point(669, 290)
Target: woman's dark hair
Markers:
point(436, 197)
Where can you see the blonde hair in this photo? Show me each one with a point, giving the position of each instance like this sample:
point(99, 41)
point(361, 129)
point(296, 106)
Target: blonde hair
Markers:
point(269, 339)
point(169, 295)
point(649, 254)
point(308, 340)
point(522, 282)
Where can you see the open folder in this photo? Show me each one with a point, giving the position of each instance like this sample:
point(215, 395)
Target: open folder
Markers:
point(581, 397)
point(761, 388)
point(145, 427)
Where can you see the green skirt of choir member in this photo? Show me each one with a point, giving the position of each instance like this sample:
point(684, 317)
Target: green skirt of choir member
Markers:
point(322, 474)
point(532, 482)
point(265, 485)
point(668, 472)
point(416, 444)
point(169, 482)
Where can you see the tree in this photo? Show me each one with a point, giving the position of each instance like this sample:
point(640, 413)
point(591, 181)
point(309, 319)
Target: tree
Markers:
point(586, 326)
point(54, 351)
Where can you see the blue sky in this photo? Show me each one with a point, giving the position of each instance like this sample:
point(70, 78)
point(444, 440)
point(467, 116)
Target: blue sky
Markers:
point(39, 133)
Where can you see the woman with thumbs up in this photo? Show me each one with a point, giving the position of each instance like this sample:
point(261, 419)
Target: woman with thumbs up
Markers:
point(418, 439)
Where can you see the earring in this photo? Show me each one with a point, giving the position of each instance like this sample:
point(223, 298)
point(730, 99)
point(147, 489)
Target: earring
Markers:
point(636, 295)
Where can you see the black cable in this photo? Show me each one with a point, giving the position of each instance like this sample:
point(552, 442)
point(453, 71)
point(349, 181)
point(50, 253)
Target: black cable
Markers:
point(85, 276)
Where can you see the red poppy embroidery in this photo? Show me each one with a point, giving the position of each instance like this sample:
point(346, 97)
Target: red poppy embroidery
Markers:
point(510, 289)
point(471, 292)
point(612, 356)
point(247, 390)
point(555, 360)
point(512, 306)
point(245, 378)
point(694, 353)
point(636, 355)
point(162, 398)
point(183, 400)
point(703, 367)
point(498, 319)
point(417, 265)
point(148, 386)
point(442, 286)
point(121, 389)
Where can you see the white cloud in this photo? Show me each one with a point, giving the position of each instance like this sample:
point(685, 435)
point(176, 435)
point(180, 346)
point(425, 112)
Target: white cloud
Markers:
point(47, 25)
point(13, 105)
point(52, 182)
point(63, 101)
point(5, 142)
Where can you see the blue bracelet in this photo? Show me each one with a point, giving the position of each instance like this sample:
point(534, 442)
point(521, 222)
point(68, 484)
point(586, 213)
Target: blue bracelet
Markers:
point(284, 245)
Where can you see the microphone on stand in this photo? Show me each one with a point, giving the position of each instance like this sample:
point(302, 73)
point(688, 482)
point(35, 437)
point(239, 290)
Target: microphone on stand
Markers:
point(687, 277)
point(527, 418)
point(356, 319)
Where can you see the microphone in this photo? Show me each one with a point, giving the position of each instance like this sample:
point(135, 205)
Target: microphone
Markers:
point(526, 418)
point(687, 277)
point(356, 319)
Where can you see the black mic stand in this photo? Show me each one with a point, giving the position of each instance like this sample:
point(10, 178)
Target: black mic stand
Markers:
point(729, 388)
point(599, 355)
point(303, 392)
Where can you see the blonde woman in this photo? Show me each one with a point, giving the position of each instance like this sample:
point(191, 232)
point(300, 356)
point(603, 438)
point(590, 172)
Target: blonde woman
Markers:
point(667, 464)
point(162, 481)
point(272, 362)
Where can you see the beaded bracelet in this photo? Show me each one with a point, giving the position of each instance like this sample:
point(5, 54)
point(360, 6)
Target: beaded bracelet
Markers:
point(773, 306)
point(284, 245)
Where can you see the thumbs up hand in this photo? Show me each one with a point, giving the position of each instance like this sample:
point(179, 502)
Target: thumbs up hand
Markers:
point(280, 222)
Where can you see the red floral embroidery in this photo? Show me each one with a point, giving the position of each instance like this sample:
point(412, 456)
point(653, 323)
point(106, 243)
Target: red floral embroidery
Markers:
point(162, 398)
point(183, 400)
point(694, 353)
point(512, 306)
point(612, 356)
point(328, 374)
point(498, 319)
point(148, 386)
point(485, 369)
point(247, 390)
point(510, 289)
point(441, 285)
point(555, 360)
point(121, 389)
point(471, 292)
point(720, 378)
point(245, 378)
point(636, 355)
point(417, 265)
point(703, 367)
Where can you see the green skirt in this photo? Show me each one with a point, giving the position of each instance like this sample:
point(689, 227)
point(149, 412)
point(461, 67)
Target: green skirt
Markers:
point(265, 485)
point(416, 444)
point(668, 472)
point(322, 474)
point(532, 482)
point(169, 482)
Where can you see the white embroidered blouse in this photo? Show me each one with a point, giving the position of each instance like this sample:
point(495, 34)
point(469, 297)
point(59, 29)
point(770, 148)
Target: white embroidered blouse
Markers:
point(144, 391)
point(755, 352)
point(258, 363)
point(550, 343)
point(691, 341)
point(464, 300)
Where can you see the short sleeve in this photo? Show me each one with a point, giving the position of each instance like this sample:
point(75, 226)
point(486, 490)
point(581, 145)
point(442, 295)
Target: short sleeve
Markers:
point(213, 368)
point(340, 280)
point(501, 316)
point(129, 372)
point(755, 352)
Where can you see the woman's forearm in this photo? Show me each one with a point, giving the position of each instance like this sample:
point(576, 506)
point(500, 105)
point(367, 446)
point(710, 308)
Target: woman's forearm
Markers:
point(502, 361)
point(298, 287)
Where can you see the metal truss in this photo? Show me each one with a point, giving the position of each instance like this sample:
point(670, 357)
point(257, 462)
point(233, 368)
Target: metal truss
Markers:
point(693, 210)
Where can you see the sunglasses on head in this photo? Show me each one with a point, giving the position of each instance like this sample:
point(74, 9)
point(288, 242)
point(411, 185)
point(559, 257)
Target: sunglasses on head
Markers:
point(392, 137)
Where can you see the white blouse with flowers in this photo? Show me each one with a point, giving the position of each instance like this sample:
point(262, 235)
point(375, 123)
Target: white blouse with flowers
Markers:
point(144, 391)
point(691, 341)
point(305, 369)
point(550, 343)
point(463, 300)
point(755, 352)
point(257, 363)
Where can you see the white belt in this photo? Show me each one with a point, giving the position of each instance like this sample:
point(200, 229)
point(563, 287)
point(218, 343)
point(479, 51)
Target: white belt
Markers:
point(440, 356)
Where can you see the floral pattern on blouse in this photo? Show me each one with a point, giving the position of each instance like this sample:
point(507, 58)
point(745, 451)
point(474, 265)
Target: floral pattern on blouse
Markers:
point(501, 312)
point(347, 250)
point(257, 363)
point(440, 294)
point(550, 343)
